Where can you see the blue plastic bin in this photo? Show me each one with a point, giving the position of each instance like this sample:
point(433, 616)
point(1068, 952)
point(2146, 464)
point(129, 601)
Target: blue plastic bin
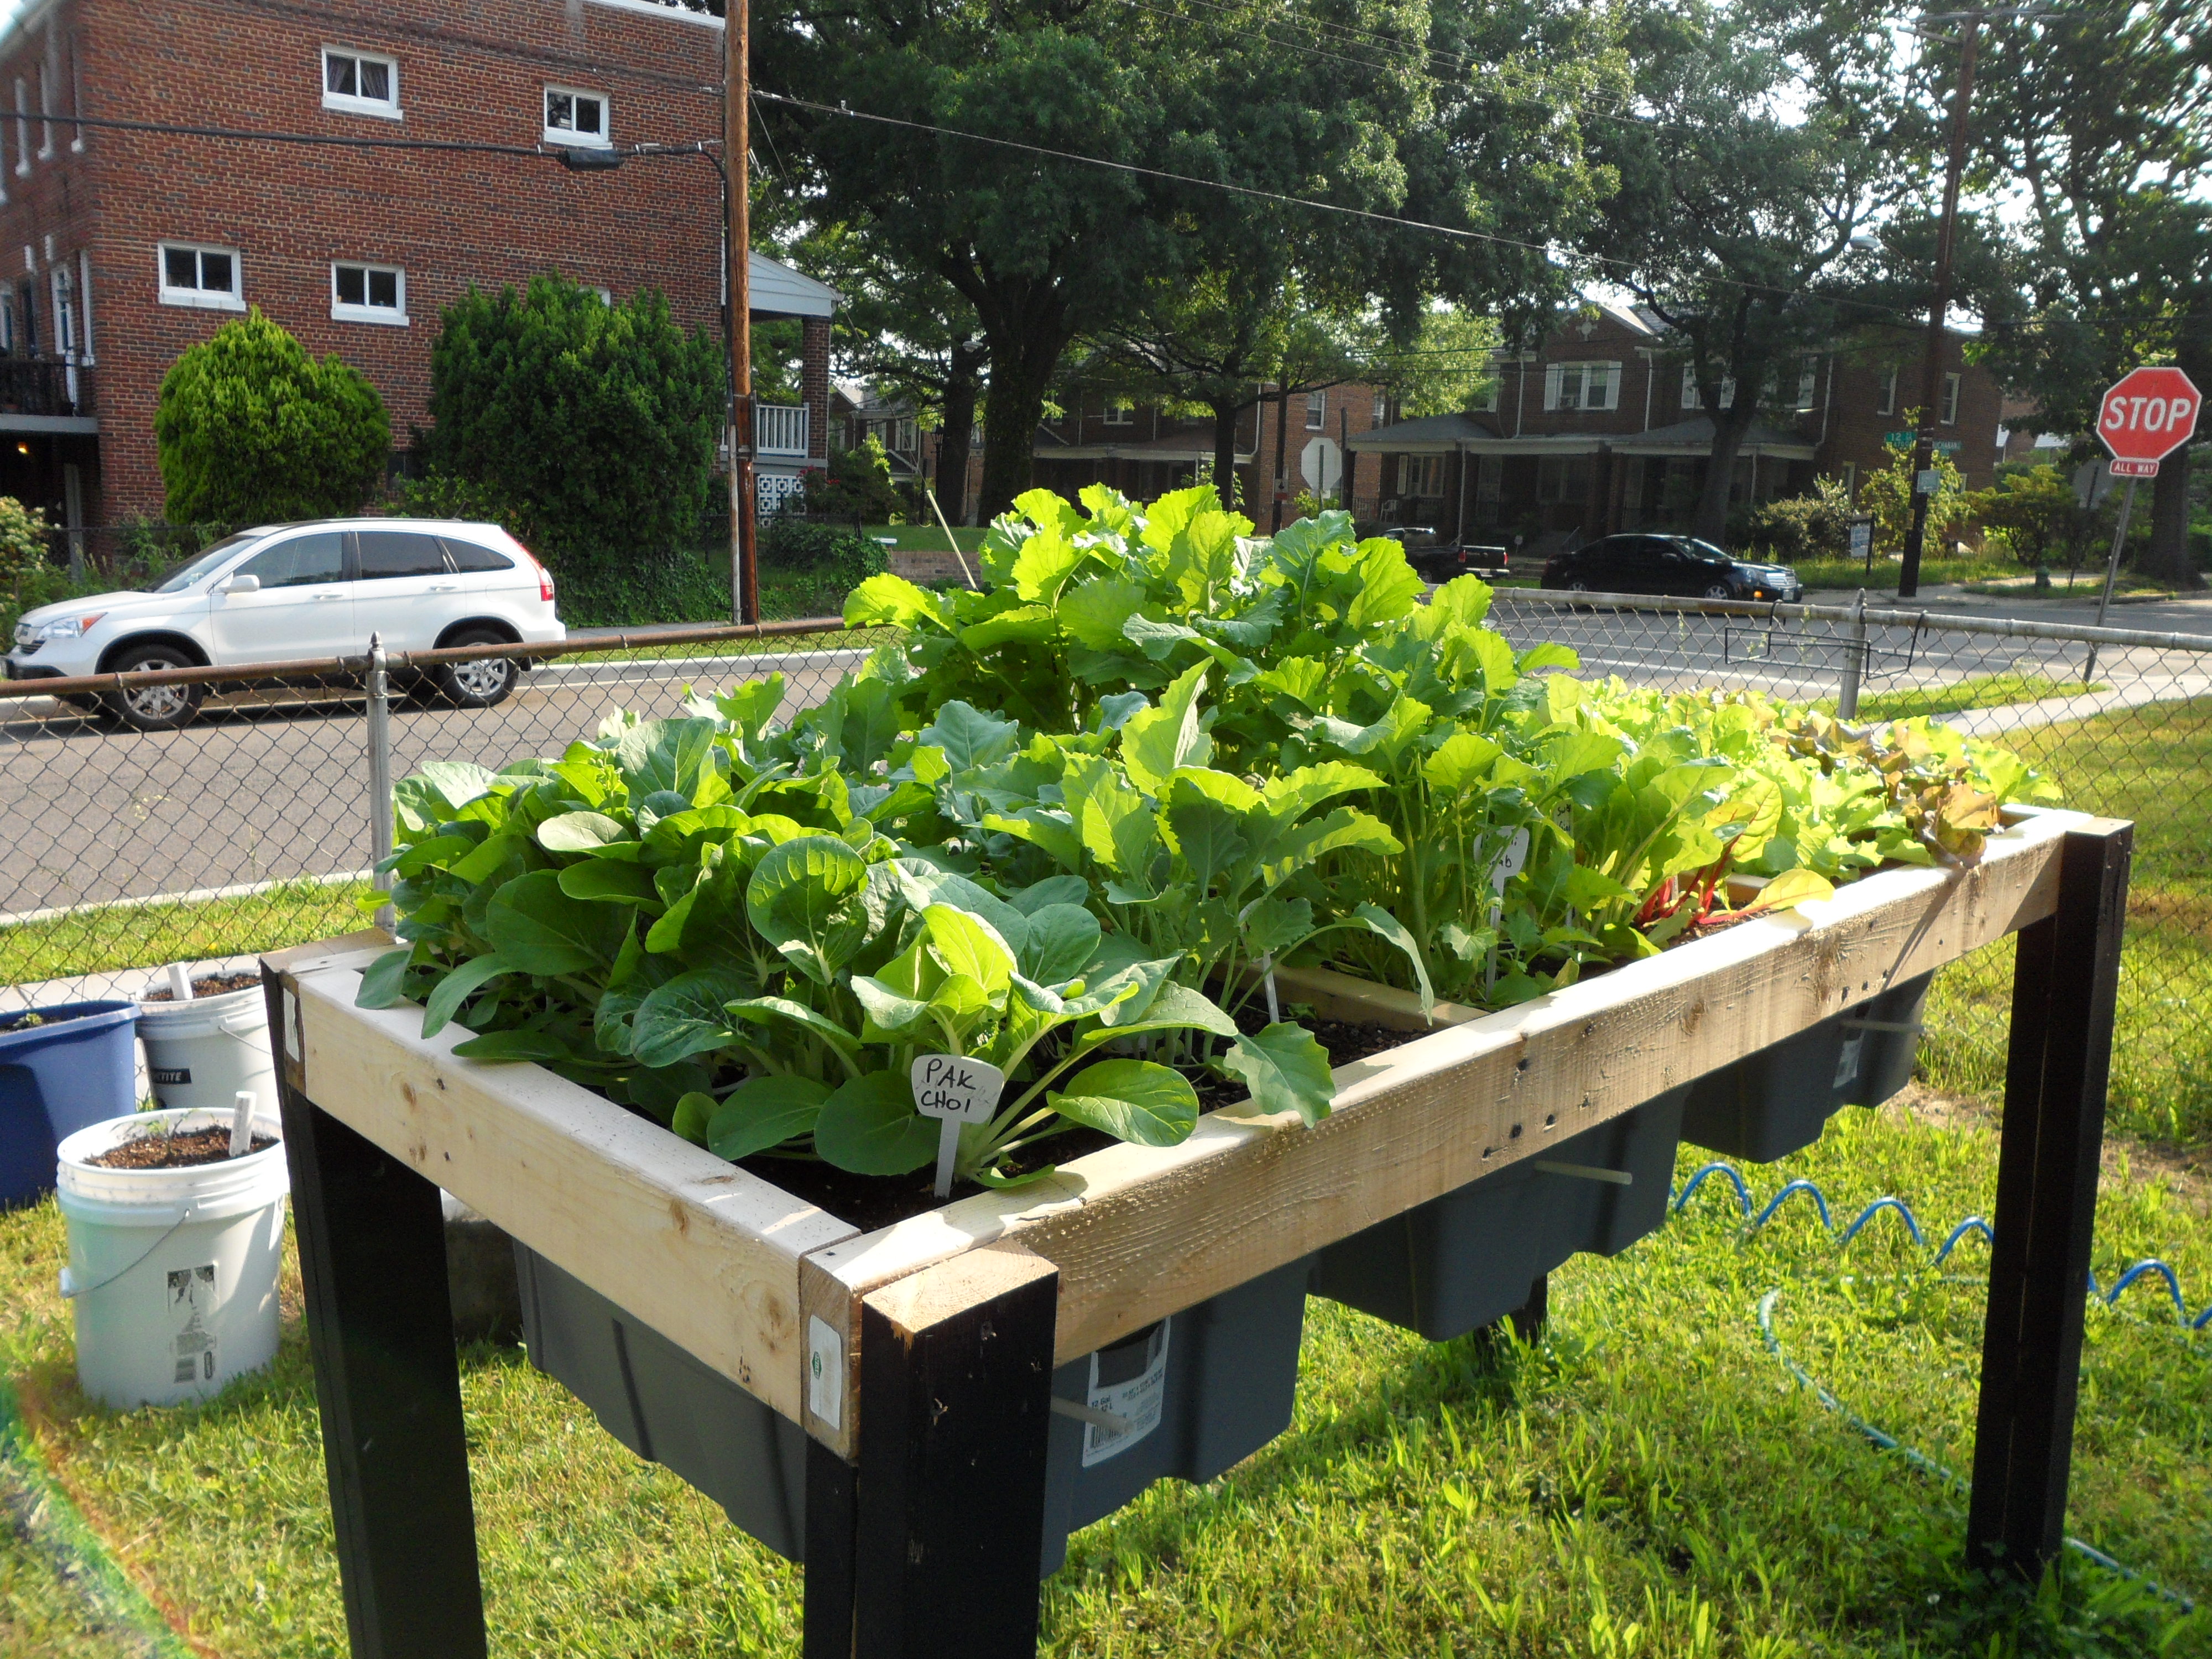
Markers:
point(76, 1068)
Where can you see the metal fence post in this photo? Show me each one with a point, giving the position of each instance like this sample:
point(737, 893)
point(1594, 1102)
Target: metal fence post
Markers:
point(1847, 694)
point(379, 772)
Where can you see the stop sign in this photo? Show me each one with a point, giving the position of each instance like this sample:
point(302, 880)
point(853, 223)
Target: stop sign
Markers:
point(2149, 414)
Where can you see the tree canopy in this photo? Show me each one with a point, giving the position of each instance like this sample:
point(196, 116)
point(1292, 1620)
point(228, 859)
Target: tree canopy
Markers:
point(1446, 111)
point(1765, 136)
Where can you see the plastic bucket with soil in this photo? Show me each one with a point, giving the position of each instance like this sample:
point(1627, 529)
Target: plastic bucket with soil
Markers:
point(174, 1248)
point(200, 1052)
point(61, 1068)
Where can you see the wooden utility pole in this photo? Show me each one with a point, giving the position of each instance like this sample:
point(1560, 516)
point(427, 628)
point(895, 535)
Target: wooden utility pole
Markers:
point(737, 89)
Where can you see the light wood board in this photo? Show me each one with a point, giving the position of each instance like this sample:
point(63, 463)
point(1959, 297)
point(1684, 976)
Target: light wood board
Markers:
point(1137, 1232)
point(704, 1253)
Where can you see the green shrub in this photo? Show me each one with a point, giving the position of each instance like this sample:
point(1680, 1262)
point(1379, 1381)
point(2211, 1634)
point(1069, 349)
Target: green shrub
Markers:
point(827, 550)
point(24, 536)
point(857, 486)
point(594, 427)
point(252, 430)
point(1803, 527)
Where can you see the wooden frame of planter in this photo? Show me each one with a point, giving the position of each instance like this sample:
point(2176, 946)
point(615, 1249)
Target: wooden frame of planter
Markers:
point(918, 1358)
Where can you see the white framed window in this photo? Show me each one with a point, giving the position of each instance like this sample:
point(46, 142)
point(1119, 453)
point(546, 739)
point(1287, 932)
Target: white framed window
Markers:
point(6, 319)
point(1382, 412)
point(1582, 386)
point(367, 294)
point(1888, 404)
point(1485, 401)
point(1946, 409)
point(1691, 397)
point(575, 116)
point(192, 275)
point(68, 335)
point(904, 436)
point(1316, 412)
point(1851, 476)
point(1808, 385)
point(360, 82)
point(1118, 414)
point(1421, 475)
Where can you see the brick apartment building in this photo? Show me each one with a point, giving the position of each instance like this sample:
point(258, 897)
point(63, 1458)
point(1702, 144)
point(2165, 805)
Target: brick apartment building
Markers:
point(1600, 429)
point(135, 245)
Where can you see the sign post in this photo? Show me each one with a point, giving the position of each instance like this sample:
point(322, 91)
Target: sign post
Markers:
point(2144, 417)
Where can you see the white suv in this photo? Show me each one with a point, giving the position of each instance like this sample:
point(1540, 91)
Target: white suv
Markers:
point(289, 592)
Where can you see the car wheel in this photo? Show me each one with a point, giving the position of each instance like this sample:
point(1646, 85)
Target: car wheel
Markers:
point(153, 708)
point(483, 683)
point(1717, 591)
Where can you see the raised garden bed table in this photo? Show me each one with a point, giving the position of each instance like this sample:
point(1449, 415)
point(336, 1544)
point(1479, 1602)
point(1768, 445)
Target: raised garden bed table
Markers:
point(918, 1359)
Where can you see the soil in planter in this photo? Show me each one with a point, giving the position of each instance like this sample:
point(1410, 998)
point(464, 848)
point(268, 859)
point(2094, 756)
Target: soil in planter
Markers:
point(35, 1021)
point(872, 1201)
point(210, 985)
point(183, 1151)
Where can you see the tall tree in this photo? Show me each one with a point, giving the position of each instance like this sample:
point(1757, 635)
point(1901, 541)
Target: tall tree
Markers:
point(1763, 138)
point(1394, 110)
point(2100, 118)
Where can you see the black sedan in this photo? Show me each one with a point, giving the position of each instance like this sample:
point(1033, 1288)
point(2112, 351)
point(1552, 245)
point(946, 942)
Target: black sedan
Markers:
point(1667, 564)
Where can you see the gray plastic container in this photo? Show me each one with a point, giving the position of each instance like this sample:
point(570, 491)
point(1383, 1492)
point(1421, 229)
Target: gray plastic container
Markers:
point(1468, 1259)
point(1775, 1103)
point(1202, 1390)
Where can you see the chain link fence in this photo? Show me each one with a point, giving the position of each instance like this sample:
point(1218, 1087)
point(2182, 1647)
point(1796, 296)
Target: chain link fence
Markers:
point(250, 826)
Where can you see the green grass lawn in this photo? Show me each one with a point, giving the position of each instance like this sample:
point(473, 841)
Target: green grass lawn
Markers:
point(1848, 573)
point(927, 538)
point(1645, 1481)
point(142, 936)
point(1954, 697)
point(2153, 765)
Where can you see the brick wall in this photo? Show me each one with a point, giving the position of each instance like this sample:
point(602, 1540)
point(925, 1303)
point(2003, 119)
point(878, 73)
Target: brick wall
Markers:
point(1856, 424)
point(473, 72)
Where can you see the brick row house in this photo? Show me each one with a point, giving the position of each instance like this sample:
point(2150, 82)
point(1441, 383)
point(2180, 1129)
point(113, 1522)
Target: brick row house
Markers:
point(120, 248)
point(1600, 429)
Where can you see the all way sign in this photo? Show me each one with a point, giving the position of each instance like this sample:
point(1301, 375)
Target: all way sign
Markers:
point(2148, 416)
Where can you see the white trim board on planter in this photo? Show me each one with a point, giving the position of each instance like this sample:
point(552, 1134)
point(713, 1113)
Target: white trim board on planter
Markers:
point(736, 1271)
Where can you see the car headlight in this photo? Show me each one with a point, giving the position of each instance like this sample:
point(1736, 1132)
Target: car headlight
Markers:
point(65, 628)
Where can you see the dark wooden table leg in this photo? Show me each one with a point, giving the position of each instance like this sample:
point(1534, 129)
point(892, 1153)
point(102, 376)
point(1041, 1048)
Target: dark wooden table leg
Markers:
point(373, 1256)
point(830, 1493)
point(2065, 983)
point(955, 1385)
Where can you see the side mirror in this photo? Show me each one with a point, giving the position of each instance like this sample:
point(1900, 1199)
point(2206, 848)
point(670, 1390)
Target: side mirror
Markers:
point(242, 584)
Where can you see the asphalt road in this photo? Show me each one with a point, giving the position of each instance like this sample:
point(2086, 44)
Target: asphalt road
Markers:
point(261, 787)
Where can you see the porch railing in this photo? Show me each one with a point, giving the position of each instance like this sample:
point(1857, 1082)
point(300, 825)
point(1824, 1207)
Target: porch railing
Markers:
point(44, 385)
point(780, 429)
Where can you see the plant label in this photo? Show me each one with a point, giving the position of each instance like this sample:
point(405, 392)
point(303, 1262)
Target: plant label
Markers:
point(1510, 862)
point(956, 1088)
point(1130, 1380)
point(825, 1371)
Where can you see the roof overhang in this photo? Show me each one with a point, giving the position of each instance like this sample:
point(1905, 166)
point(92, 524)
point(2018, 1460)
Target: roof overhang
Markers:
point(82, 426)
point(1128, 452)
point(1782, 452)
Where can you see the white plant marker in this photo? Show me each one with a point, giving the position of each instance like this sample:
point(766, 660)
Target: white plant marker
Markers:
point(241, 1125)
point(1510, 863)
point(180, 983)
point(955, 1090)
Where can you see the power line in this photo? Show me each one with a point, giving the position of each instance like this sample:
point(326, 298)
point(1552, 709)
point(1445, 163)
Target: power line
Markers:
point(1457, 232)
point(169, 128)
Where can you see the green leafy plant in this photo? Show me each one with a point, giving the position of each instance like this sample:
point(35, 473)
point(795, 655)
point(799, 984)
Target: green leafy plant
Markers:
point(683, 917)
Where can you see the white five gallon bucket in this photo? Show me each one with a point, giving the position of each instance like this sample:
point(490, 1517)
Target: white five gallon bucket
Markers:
point(173, 1272)
point(201, 1053)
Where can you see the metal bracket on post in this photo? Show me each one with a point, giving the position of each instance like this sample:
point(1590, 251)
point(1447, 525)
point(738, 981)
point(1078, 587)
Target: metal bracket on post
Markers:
point(1847, 694)
point(379, 773)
